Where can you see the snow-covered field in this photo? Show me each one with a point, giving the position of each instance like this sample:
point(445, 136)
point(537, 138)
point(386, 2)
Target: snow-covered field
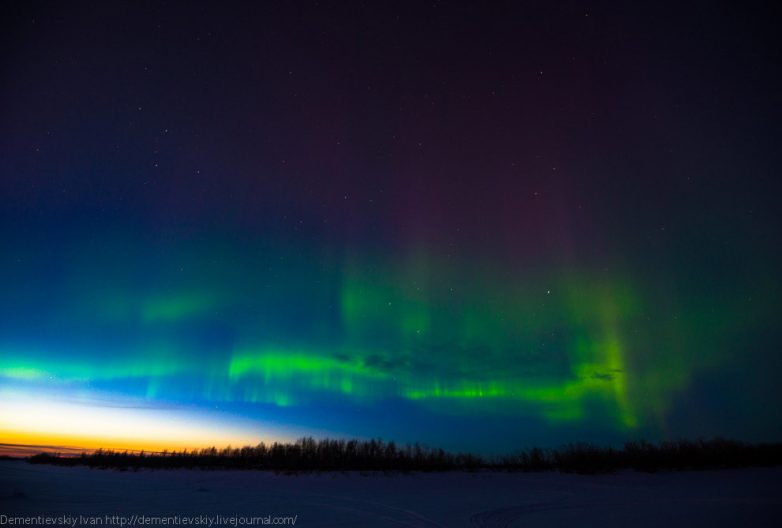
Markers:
point(747, 497)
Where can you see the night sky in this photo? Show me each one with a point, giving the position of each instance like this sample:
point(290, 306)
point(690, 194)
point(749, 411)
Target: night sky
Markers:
point(480, 227)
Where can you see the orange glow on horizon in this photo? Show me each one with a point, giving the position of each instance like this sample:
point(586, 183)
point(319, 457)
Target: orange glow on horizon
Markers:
point(29, 425)
point(25, 443)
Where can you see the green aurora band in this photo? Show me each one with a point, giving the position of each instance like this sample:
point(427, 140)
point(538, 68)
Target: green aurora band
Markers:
point(565, 347)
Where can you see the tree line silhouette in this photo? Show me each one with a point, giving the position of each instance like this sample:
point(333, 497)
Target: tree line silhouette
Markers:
point(308, 454)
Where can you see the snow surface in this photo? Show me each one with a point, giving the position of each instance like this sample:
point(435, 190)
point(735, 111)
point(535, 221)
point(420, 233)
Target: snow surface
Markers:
point(746, 497)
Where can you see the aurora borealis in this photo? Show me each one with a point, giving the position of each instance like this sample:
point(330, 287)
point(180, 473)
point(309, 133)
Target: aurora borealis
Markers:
point(463, 225)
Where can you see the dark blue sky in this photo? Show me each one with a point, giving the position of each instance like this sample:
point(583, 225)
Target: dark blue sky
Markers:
point(476, 226)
